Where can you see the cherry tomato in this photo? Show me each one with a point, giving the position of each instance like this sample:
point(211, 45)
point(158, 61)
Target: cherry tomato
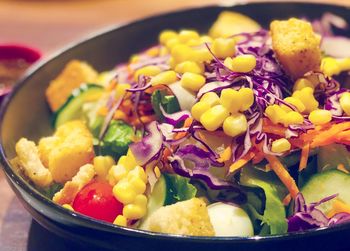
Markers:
point(97, 201)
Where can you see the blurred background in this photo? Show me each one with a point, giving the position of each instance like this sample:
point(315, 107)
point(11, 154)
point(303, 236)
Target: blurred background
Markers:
point(51, 24)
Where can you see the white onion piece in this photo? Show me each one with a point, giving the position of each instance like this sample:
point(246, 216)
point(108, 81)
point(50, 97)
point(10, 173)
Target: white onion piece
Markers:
point(186, 98)
point(338, 47)
point(229, 220)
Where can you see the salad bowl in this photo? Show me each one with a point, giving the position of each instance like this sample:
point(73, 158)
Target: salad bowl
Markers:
point(26, 113)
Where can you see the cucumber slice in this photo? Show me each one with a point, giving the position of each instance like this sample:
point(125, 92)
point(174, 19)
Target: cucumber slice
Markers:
point(325, 184)
point(158, 196)
point(72, 108)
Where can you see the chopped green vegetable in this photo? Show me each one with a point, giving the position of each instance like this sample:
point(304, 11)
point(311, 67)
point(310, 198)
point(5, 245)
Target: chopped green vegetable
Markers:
point(168, 102)
point(178, 189)
point(50, 191)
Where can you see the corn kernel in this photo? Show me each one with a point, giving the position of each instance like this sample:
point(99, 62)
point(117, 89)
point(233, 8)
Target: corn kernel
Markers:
point(247, 97)
point(166, 35)
point(157, 172)
point(164, 78)
point(186, 35)
point(123, 192)
point(306, 96)
point(202, 55)
point(280, 145)
point(231, 100)
point(214, 117)
point(120, 115)
point(163, 51)
point(67, 206)
point(193, 42)
point(181, 53)
point(153, 52)
point(228, 62)
point(133, 212)
point(320, 117)
point(192, 81)
point(211, 98)
point(292, 118)
point(345, 102)
point(141, 200)
point(190, 66)
point(102, 165)
point(344, 64)
point(286, 108)
point(205, 39)
point(224, 47)
point(128, 162)
point(137, 184)
point(275, 113)
point(330, 66)
point(120, 220)
point(301, 83)
point(171, 43)
point(120, 90)
point(134, 59)
point(118, 172)
point(235, 125)
point(172, 63)
point(242, 63)
point(139, 172)
point(198, 109)
point(149, 71)
point(295, 102)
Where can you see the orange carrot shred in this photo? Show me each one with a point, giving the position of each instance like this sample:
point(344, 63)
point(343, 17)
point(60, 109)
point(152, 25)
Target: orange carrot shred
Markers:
point(241, 162)
point(225, 155)
point(342, 168)
point(283, 175)
point(338, 207)
point(187, 123)
point(304, 157)
point(287, 200)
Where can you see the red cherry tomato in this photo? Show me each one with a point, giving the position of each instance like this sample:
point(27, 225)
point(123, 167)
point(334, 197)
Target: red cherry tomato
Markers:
point(97, 201)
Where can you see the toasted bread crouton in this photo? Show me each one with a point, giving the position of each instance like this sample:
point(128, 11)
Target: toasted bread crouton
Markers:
point(71, 188)
point(186, 218)
point(67, 150)
point(296, 45)
point(73, 75)
point(231, 23)
point(28, 159)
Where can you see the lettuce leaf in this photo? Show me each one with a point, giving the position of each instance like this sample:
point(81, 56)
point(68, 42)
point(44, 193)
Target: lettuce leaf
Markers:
point(179, 189)
point(168, 102)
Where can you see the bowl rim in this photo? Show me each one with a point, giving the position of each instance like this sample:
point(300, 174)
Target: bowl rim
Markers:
point(112, 228)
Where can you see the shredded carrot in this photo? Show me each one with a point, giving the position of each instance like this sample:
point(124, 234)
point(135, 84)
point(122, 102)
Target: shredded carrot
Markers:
point(338, 207)
point(147, 119)
point(166, 154)
point(283, 175)
point(304, 157)
point(275, 129)
point(342, 168)
point(241, 162)
point(287, 200)
point(225, 155)
point(259, 156)
point(187, 123)
point(296, 142)
point(329, 136)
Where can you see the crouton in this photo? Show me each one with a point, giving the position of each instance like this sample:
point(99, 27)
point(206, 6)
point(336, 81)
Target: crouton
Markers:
point(67, 150)
point(73, 75)
point(67, 194)
point(231, 23)
point(28, 158)
point(186, 218)
point(296, 46)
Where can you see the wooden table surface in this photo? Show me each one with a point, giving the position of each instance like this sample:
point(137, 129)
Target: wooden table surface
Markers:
point(49, 25)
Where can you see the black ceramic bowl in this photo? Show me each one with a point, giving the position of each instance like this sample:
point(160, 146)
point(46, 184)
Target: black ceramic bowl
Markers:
point(25, 113)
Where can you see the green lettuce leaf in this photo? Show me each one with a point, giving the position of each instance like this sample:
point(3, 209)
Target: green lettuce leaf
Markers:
point(179, 189)
point(168, 102)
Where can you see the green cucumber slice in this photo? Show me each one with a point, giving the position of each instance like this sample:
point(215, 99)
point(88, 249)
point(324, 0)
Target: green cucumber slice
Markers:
point(325, 184)
point(72, 108)
point(158, 196)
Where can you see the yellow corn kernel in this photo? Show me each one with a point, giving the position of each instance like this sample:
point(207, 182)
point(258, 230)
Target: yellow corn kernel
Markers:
point(275, 113)
point(134, 212)
point(190, 66)
point(118, 172)
point(292, 118)
point(164, 78)
point(163, 51)
point(141, 200)
point(330, 66)
point(345, 102)
point(214, 117)
point(149, 71)
point(153, 52)
point(235, 125)
point(286, 108)
point(247, 97)
point(198, 109)
point(166, 35)
point(280, 145)
point(295, 102)
point(171, 43)
point(120, 220)
point(202, 55)
point(120, 90)
point(211, 98)
point(320, 117)
point(120, 115)
point(193, 42)
point(102, 165)
point(128, 162)
point(242, 63)
point(186, 35)
point(134, 59)
point(301, 83)
point(138, 172)
point(205, 39)
point(67, 206)
point(192, 81)
point(157, 172)
point(224, 47)
point(123, 192)
point(137, 184)
point(344, 64)
point(231, 100)
point(181, 53)
point(306, 96)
